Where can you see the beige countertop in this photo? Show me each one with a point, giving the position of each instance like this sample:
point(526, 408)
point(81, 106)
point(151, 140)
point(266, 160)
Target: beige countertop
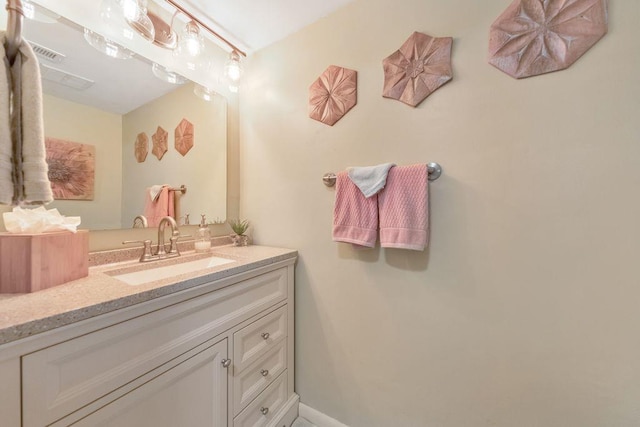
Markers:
point(24, 315)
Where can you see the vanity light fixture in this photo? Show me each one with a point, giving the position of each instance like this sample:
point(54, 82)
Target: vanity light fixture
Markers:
point(233, 70)
point(128, 16)
point(106, 46)
point(167, 75)
point(233, 67)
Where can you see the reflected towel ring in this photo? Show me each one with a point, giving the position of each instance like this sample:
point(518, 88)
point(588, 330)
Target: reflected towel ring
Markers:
point(433, 169)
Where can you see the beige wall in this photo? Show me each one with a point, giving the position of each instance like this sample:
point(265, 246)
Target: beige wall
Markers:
point(524, 311)
point(79, 123)
point(203, 170)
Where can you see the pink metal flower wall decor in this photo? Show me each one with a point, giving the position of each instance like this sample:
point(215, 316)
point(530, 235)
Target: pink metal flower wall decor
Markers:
point(418, 68)
point(333, 94)
point(141, 147)
point(184, 136)
point(160, 143)
point(533, 37)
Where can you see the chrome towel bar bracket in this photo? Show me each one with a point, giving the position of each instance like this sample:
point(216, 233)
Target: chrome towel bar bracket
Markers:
point(433, 169)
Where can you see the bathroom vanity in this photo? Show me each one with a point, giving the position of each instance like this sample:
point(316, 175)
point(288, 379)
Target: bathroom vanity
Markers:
point(212, 347)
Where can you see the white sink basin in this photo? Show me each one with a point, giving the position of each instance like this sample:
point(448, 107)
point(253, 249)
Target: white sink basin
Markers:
point(154, 273)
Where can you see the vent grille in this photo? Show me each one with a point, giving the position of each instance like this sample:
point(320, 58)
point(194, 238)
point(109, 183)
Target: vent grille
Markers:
point(64, 78)
point(48, 54)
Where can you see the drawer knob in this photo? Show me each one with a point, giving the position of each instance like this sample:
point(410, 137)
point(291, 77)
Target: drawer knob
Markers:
point(264, 372)
point(265, 335)
point(226, 363)
point(264, 410)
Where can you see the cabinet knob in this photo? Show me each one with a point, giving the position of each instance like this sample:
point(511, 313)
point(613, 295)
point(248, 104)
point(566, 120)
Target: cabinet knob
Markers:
point(264, 410)
point(264, 372)
point(265, 335)
point(226, 363)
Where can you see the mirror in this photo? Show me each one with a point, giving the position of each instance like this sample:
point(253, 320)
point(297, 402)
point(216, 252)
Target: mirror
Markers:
point(92, 99)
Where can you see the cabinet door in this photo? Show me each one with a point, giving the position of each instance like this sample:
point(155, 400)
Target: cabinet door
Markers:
point(192, 394)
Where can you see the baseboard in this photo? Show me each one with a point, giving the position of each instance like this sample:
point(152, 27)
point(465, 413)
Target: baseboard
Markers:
point(317, 417)
point(287, 414)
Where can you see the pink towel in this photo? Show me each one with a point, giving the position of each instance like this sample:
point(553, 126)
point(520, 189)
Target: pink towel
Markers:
point(163, 206)
point(355, 217)
point(403, 206)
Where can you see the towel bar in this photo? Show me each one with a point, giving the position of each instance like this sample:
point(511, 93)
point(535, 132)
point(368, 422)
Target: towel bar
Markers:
point(434, 170)
point(182, 189)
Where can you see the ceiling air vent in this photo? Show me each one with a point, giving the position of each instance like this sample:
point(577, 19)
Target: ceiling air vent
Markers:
point(46, 53)
point(65, 78)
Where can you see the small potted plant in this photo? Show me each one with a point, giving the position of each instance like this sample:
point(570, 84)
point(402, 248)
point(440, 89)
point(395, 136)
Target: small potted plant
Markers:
point(239, 227)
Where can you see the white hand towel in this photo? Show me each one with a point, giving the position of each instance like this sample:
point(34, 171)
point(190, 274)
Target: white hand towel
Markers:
point(6, 166)
point(154, 192)
point(33, 187)
point(370, 179)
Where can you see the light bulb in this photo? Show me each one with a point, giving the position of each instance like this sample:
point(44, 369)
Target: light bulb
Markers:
point(192, 45)
point(203, 92)
point(167, 75)
point(130, 9)
point(233, 68)
point(191, 41)
point(38, 13)
point(127, 17)
point(106, 46)
point(29, 10)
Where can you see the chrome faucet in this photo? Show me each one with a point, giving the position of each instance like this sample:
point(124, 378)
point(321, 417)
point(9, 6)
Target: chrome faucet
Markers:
point(161, 251)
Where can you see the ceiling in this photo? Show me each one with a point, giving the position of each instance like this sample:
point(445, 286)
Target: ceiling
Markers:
point(108, 83)
point(255, 24)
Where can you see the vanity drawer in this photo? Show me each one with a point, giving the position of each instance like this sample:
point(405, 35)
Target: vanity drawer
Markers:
point(254, 340)
point(65, 377)
point(262, 410)
point(257, 376)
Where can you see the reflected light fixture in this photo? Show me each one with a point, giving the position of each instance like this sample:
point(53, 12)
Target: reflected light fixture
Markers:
point(35, 12)
point(106, 46)
point(203, 92)
point(129, 17)
point(167, 75)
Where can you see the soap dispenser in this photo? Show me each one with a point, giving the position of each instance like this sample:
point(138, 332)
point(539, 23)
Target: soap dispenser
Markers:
point(203, 237)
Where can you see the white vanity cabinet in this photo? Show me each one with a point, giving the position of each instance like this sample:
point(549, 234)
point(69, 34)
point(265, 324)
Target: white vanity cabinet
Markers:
point(218, 354)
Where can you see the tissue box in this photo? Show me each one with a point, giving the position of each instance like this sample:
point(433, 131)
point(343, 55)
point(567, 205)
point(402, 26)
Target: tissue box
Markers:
point(32, 262)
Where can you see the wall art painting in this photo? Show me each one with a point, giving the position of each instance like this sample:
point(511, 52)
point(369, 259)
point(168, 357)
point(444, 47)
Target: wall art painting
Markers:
point(71, 169)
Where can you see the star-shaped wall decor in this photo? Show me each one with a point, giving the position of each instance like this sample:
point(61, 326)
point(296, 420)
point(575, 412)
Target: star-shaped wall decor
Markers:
point(418, 68)
point(333, 94)
point(533, 37)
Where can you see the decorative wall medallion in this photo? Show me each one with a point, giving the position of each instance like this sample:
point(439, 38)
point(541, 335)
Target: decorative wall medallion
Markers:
point(418, 68)
point(184, 136)
point(533, 37)
point(71, 169)
point(160, 142)
point(141, 147)
point(333, 94)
